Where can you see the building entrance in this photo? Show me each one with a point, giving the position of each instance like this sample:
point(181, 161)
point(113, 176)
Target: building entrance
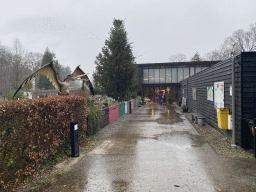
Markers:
point(152, 92)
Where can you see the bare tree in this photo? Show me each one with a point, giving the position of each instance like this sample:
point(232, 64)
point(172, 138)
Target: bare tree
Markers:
point(213, 56)
point(34, 60)
point(178, 57)
point(245, 40)
point(5, 72)
point(18, 64)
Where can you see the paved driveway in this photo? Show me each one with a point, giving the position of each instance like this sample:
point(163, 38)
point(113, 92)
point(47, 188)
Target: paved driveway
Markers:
point(156, 149)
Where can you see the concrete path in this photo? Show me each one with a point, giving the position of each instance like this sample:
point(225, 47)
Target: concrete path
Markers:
point(156, 149)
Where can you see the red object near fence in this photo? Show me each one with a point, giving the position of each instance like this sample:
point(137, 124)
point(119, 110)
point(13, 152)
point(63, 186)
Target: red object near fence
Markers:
point(113, 113)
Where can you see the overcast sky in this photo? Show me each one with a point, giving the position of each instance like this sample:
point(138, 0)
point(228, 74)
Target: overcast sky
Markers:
point(75, 30)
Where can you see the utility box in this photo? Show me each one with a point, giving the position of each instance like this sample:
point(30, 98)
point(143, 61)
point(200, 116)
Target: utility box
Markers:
point(222, 117)
point(74, 139)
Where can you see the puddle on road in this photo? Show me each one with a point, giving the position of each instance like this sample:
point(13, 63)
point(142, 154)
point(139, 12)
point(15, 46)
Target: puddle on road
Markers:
point(196, 140)
point(167, 115)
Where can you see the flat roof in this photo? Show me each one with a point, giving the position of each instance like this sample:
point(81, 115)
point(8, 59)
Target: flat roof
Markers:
point(178, 63)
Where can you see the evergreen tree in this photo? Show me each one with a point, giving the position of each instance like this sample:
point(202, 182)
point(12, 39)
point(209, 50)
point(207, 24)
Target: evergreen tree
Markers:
point(196, 57)
point(115, 66)
point(43, 82)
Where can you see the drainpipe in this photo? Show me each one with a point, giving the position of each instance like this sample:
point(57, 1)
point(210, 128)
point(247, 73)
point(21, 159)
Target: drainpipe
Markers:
point(235, 51)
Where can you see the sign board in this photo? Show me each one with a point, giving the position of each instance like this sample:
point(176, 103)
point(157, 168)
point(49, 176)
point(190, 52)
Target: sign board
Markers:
point(230, 90)
point(184, 101)
point(219, 94)
point(210, 93)
point(76, 127)
point(194, 93)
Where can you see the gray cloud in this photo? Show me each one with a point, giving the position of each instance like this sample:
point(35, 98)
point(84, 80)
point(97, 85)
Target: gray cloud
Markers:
point(76, 30)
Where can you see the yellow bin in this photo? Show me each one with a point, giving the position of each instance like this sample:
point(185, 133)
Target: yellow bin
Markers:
point(222, 117)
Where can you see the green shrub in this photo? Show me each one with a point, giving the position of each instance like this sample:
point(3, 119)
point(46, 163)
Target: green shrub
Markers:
point(19, 95)
point(94, 118)
point(110, 103)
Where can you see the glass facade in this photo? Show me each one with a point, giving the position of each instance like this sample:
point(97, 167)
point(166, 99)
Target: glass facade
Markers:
point(162, 75)
point(174, 75)
point(145, 75)
point(192, 71)
point(186, 72)
point(168, 72)
point(151, 75)
point(169, 75)
point(156, 71)
point(198, 69)
point(180, 74)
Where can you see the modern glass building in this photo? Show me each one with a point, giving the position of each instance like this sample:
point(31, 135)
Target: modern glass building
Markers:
point(166, 77)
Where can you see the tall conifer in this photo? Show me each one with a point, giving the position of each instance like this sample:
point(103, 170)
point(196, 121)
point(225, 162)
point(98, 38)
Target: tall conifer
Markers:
point(43, 82)
point(115, 66)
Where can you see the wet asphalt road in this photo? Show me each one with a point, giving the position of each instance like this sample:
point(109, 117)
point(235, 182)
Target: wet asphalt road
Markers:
point(157, 149)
